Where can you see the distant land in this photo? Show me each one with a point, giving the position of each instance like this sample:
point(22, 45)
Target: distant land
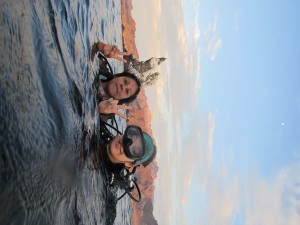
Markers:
point(142, 212)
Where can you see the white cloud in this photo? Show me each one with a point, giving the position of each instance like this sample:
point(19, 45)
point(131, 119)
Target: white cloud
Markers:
point(213, 42)
point(236, 20)
point(213, 46)
point(148, 25)
point(174, 103)
point(253, 198)
point(210, 129)
point(276, 202)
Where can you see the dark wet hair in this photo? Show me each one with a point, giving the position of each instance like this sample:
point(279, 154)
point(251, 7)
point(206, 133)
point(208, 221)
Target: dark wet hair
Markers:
point(132, 76)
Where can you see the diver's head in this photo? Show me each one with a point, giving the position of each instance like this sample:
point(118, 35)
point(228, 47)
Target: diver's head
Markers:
point(123, 86)
point(133, 148)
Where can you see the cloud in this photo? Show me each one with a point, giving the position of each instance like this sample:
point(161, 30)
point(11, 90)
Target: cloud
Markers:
point(180, 167)
point(251, 199)
point(148, 26)
point(223, 200)
point(212, 41)
point(210, 128)
point(275, 202)
point(181, 132)
point(166, 35)
point(213, 46)
point(236, 20)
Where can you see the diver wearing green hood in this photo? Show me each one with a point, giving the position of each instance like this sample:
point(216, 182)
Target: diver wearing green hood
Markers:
point(118, 157)
point(131, 149)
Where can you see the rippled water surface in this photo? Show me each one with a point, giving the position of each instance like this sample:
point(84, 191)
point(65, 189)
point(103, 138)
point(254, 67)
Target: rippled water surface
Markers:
point(46, 105)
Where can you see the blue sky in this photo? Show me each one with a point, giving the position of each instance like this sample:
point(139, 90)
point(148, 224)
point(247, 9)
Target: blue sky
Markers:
point(258, 70)
point(226, 110)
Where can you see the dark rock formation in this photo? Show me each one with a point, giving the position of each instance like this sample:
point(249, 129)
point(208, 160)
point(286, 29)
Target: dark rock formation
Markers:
point(148, 218)
point(146, 71)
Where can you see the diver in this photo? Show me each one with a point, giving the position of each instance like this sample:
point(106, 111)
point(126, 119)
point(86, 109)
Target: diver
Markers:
point(115, 155)
point(117, 158)
point(135, 147)
point(113, 90)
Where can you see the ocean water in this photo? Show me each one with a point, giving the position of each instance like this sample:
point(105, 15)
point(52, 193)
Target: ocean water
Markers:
point(47, 104)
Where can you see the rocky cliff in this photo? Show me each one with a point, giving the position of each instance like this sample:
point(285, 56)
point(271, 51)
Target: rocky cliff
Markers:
point(128, 26)
point(141, 115)
point(142, 212)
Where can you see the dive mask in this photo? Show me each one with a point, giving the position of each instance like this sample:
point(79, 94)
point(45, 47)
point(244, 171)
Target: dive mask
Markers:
point(133, 142)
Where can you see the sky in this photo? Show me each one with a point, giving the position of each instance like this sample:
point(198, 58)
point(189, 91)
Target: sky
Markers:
point(226, 110)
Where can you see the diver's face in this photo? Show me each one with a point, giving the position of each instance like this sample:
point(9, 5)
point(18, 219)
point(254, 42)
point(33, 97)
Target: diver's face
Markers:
point(121, 87)
point(116, 152)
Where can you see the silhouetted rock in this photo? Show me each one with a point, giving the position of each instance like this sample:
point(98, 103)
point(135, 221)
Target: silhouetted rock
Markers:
point(146, 71)
point(148, 217)
point(144, 66)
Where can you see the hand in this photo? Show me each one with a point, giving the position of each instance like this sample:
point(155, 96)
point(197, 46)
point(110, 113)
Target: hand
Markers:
point(111, 106)
point(112, 51)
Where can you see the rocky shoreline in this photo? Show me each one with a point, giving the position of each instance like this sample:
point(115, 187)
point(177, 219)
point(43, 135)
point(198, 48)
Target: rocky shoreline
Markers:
point(142, 213)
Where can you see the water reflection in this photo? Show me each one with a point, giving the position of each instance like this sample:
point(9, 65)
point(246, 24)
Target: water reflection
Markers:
point(47, 105)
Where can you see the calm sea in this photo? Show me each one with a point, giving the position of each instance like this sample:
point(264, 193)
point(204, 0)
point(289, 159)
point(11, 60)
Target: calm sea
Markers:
point(46, 104)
